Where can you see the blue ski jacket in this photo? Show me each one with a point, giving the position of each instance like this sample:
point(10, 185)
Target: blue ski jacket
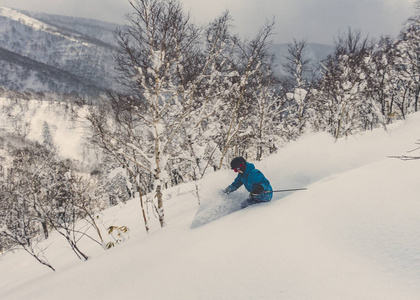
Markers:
point(250, 179)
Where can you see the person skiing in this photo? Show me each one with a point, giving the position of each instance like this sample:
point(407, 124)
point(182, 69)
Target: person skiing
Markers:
point(253, 180)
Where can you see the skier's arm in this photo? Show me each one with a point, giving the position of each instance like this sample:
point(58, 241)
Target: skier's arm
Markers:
point(234, 186)
point(258, 189)
point(261, 184)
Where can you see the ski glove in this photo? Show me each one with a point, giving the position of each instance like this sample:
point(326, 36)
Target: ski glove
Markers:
point(225, 191)
point(257, 190)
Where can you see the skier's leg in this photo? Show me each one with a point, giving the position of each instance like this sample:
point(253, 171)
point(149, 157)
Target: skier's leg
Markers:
point(250, 201)
point(245, 204)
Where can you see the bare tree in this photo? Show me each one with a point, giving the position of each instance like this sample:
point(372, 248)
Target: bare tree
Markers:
point(250, 59)
point(161, 64)
point(19, 226)
point(297, 63)
point(409, 62)
point(382, 83)
point(154, 49)
point(297, 67)
point(42, 193)
point(342, 104)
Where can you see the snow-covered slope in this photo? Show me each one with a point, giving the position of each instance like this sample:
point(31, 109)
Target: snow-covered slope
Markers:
point(41, 54)
point(32, 23)
point(28, 117)
point(354, 234)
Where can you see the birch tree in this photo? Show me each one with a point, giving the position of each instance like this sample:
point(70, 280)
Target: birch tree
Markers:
point(297, 67)
point(40, 194)
point(249, 61)
point(381, 78)
point(161, 63)
point(408, 61)
point(342, 104)
point(211, 93)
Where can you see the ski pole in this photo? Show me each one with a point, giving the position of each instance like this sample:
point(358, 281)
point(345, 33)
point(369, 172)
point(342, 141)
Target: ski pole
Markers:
point(280, 191)
point(288, 190)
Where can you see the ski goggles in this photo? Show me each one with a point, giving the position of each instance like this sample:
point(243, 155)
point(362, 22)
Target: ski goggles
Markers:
point(239, 168)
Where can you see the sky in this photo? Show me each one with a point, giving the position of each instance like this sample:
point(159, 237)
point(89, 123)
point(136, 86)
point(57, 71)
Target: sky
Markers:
point(316, 21)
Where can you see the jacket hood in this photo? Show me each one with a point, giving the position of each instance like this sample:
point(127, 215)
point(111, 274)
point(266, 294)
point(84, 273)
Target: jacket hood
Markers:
point(249, 167)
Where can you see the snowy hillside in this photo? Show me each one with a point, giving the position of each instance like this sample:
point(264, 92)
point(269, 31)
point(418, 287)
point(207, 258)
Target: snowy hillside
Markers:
point(95, 29)
point(28, 21)
point(40, 53)
point(28, 118)
point(354, 234)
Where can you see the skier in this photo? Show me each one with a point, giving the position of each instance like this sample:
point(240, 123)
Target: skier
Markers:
point(253, 180)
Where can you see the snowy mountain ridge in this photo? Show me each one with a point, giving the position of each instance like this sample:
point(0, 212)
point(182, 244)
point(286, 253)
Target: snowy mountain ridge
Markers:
point(33, 23)
point(21, 18)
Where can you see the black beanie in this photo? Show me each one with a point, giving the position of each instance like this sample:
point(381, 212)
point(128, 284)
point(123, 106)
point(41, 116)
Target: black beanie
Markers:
point(237, 161)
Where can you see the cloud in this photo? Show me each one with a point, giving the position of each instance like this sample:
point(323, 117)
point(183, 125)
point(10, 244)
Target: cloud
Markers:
point(314, 20)
point(106, 10)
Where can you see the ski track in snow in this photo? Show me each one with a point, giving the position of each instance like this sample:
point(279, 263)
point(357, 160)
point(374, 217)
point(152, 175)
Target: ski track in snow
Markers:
point(215, 208)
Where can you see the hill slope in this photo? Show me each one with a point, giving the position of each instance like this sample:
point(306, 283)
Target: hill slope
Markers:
point(354, 234)
point(78, 50)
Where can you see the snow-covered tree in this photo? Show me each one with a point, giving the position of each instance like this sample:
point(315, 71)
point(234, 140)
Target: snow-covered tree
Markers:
point(381, 80)
point(408, 64)
point(71, 202)
point(161, 64)
point(341, 103)
point(266, 131)
point(47, 137)
point(202, 127)
point(262, 103)
point(41, 193)
point(20, 225)
point(297, 68)
point(156, 46)
point(253, 69)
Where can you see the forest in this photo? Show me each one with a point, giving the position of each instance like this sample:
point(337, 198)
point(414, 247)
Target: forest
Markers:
point(193, 98)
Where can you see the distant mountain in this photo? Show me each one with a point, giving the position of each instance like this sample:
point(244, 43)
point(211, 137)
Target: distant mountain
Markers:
point(41, 52)
point(50, 53)
point(20, 73)
point(94, 29)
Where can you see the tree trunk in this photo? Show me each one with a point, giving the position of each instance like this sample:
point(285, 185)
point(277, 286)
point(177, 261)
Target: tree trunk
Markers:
point(160, 206)
point(158, 194)
point(146, 224)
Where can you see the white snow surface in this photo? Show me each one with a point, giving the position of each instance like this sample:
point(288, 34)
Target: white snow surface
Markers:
point(353, 234)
